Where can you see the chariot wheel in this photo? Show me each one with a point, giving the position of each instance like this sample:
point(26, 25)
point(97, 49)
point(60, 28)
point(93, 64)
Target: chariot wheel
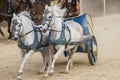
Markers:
point(92, 50)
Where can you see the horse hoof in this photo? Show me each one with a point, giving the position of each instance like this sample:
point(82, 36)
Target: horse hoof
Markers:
point(9, 38)
point(50, 74)
point(3, 35)
point(66, 72)
point(19, 78)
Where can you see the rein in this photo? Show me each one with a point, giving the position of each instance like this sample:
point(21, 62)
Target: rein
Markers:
point(36, 43)
point(57, 30)
point(48, 25)
point(29, 32)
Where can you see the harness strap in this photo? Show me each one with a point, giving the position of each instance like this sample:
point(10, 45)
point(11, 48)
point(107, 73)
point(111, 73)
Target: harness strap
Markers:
point(48, 25)
point(27, 33)
point(62, 40)
point(69, 38)
point(36, 43)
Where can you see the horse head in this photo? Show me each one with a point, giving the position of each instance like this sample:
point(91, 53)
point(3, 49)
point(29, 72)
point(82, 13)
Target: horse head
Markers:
point(20, 22)
point(16, 25)
point(53, 16)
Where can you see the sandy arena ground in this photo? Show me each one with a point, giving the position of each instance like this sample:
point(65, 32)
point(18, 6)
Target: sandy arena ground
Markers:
point(107, 32)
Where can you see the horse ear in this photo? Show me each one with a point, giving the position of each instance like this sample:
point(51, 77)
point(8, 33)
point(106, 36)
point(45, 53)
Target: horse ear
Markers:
point(14, 14)
point(46, 6)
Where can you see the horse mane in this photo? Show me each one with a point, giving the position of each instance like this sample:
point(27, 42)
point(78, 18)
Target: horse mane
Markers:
point(26, 14)
point(58, 9)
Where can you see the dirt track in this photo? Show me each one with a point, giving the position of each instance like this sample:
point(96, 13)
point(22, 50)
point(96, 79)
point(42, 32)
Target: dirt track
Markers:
point(107, 32)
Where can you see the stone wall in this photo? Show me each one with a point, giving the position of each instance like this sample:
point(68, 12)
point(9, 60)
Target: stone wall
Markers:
point(96, 7)
point(112, 6)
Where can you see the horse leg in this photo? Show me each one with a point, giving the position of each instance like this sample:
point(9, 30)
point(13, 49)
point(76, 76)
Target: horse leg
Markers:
point(70, 61)
point(44, 54)
point(59, 52)
point(22, 54)
point(23, 62)
point(73, 51)
point(42, 70)
point(49, 61)
point(47, 56)
point(9, 31)
point(1, 32)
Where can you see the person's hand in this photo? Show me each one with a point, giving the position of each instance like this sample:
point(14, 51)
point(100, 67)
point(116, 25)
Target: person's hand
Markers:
point(70, 14)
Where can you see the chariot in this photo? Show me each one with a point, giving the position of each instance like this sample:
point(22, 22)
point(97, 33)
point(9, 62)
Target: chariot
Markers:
point(89, 46)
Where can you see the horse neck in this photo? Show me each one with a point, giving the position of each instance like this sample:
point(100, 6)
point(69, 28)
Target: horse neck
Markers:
point(57, 26)
point(57, 19)
point(27, 27)
point(57, 23)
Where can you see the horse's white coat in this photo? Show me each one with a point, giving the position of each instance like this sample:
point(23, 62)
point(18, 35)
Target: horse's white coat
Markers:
point(24, 25)
point(56, 24)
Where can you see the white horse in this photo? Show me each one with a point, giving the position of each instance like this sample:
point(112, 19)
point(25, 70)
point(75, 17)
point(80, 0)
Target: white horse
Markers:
point(73, 34)
point(29, 39)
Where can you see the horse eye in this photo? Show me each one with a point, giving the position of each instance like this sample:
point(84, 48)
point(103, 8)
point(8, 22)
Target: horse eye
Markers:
point(49, 16)
point(19, 25)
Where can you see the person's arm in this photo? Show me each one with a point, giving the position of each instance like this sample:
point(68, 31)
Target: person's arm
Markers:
point(77, 7)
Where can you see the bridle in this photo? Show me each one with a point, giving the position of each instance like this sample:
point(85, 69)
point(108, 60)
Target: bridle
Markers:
point(45, 20)
point(14, 30)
